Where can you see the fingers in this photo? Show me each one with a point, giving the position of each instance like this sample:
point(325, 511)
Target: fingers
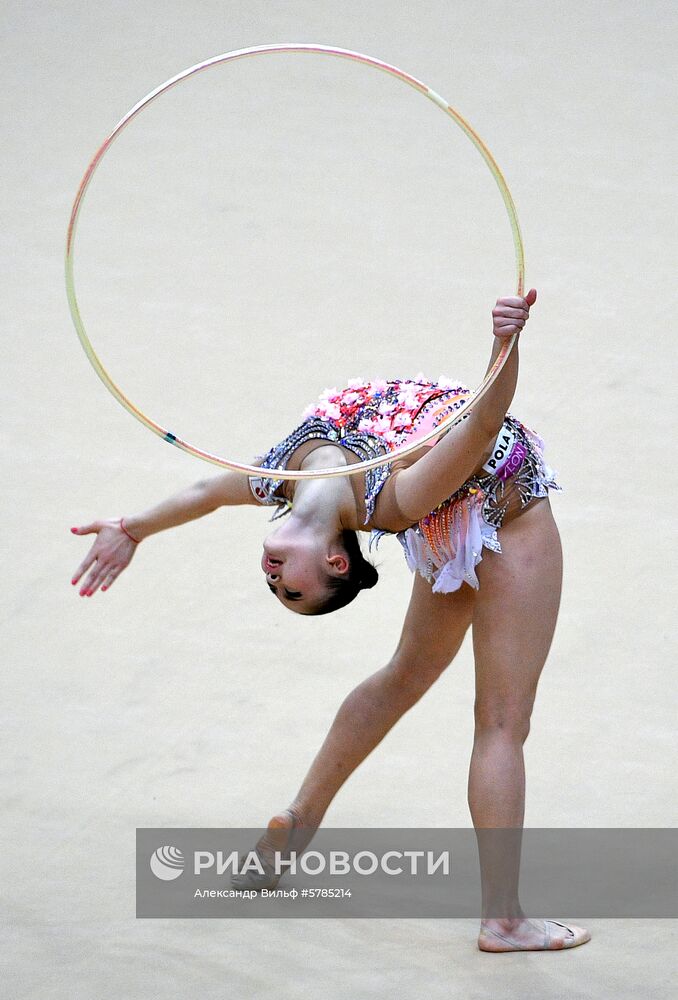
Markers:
point(518, 302)
point(109, 554)
point(84, 566)
point(102, 575)
point(106, 575)
point(86, 589)
point(508, 320)
point(111, 578)
point(511, 313)
point(98, 571)
point(90, 559)
point(96, 577)
point(87, 529)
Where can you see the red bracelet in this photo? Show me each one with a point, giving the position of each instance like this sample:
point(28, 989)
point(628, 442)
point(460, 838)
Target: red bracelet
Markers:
point(123, 528)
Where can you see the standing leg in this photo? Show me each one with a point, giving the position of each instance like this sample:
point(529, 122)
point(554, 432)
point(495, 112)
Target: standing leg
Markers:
point(513, 624)
point(433, 631)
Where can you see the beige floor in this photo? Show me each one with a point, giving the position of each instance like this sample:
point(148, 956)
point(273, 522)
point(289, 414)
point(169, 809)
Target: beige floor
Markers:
point(275, 227)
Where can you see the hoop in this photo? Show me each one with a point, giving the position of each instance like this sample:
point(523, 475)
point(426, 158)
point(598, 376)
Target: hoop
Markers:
point(253, 470)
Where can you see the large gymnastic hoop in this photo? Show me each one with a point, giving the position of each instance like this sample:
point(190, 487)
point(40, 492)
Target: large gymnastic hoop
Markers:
point(253, 470)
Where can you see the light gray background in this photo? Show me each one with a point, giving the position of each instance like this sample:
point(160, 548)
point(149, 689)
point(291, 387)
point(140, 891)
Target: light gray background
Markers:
point(283, 224)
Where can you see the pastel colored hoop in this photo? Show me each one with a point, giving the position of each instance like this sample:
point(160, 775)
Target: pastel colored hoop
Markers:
point(252, 470)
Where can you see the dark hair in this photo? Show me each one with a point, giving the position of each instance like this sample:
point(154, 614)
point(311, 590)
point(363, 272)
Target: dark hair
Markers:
point(362, 575)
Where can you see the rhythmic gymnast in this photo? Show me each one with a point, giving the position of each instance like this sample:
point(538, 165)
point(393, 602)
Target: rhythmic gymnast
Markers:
point(472, 512)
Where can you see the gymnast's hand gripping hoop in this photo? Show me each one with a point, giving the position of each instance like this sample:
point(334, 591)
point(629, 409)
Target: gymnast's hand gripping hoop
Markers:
point(253, 470)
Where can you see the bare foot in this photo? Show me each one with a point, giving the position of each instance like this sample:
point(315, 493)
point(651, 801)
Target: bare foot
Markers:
point(530, 935)
point(285, 833)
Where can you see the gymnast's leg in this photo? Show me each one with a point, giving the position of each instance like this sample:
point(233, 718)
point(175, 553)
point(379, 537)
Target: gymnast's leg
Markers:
point(514, 620)
point(433, 631)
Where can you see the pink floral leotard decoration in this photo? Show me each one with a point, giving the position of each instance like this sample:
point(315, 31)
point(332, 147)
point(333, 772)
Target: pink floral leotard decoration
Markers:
point(392, 411)
point(372, 418)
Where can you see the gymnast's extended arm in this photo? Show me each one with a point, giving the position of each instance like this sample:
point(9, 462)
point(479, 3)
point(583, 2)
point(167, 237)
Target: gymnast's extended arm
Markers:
point(117, 538)
point(229, 489)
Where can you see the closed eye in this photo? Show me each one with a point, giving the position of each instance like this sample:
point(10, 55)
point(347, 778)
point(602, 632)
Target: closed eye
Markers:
point(288, 594)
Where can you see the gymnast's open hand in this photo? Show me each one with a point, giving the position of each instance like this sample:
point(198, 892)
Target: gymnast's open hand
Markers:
point(510, 314)
point(110, 554)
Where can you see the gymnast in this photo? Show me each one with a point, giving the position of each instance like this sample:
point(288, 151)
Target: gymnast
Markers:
point(472, 513)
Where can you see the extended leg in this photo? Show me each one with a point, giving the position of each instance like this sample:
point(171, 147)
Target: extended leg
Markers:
point(433, 631)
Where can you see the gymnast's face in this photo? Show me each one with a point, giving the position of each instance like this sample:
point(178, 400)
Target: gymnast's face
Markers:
point(296, 565)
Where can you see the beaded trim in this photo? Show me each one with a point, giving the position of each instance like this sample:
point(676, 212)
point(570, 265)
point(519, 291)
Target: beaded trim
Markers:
point(460, 395)
point(487, 489)
point(364, 445)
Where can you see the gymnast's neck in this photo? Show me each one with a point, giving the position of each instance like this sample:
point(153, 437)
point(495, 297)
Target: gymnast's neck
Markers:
point(325, 506)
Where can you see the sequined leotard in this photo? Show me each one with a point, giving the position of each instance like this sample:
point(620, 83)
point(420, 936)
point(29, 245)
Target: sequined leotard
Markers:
point(371, 418)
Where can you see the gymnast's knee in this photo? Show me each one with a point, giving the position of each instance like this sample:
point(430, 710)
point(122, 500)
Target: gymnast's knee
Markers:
point(511, 722)
point(413, 673)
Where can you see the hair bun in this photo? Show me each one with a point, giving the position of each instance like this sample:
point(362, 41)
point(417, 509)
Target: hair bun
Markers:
point(369, 576)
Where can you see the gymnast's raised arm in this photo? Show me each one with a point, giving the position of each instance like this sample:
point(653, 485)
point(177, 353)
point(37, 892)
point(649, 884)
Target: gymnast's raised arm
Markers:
point(117, 538)
point(417, 490)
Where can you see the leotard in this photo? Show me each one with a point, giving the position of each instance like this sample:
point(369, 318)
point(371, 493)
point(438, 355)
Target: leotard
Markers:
point(371, 418)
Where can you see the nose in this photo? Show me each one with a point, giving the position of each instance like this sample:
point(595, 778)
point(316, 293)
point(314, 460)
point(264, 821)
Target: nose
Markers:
point(270, 567)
